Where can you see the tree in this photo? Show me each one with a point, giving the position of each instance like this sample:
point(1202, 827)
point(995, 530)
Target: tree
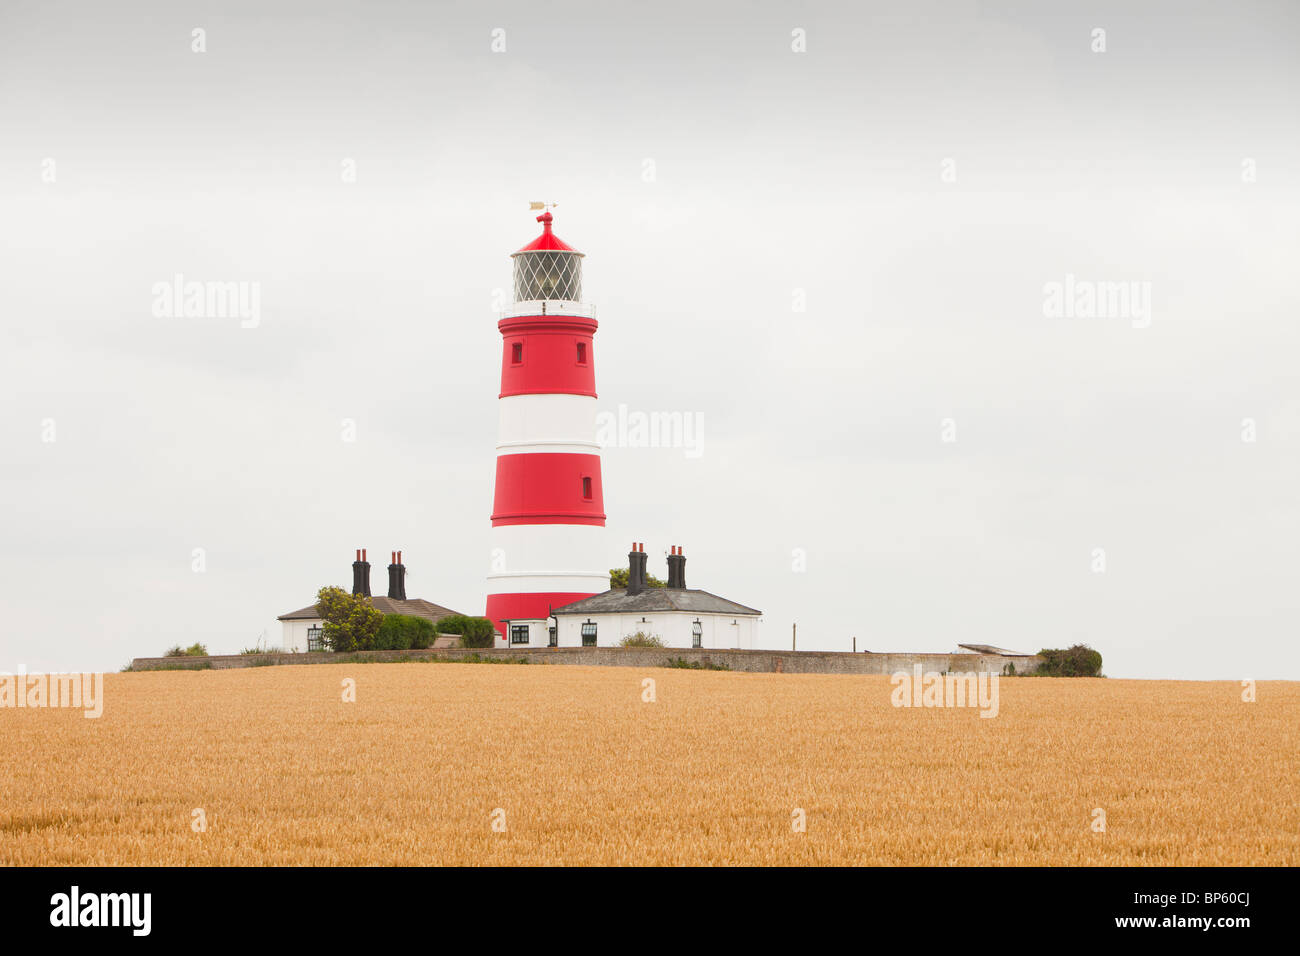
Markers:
point(349, 622)
point(618, 579)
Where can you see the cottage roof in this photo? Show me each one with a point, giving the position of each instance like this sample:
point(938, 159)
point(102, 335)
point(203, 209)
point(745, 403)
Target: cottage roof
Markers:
point(686, 600)
point(415, 607)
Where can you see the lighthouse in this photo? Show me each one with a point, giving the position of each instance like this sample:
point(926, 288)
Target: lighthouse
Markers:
point(548, 513)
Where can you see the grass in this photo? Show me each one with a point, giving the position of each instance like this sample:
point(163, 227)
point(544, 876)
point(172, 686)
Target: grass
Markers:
point(587, 772)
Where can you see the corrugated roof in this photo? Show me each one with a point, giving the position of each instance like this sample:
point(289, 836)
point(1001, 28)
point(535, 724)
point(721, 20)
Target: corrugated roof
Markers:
point(415, 607)
point(655, 599)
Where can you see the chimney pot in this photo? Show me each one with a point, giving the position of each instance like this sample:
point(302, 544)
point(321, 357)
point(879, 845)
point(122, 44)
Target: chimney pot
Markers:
point(396, 578)
point(361, 574)
point(677, 568)
point(636, 569)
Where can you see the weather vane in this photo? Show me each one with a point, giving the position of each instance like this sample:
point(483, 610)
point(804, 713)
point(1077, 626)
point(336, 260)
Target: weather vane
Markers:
point(543, 205)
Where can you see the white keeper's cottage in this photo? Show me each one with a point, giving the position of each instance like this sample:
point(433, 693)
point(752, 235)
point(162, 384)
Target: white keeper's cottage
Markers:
point(679, 616)
point(301, 629)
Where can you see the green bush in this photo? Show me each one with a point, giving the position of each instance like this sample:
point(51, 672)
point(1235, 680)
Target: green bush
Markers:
point(401, 632)
point(473, 631)
point(1078, 661)
point(641, 639)
point(194, 650)
point(349, 622)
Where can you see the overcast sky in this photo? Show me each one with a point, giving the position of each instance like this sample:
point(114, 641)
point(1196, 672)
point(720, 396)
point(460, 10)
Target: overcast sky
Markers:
point(837, 261)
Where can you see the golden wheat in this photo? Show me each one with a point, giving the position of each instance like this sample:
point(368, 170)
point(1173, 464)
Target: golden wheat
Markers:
point(584, 772)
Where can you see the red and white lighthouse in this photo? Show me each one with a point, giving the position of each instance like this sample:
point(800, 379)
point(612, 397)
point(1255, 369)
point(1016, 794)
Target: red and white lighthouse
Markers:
point(548, 515)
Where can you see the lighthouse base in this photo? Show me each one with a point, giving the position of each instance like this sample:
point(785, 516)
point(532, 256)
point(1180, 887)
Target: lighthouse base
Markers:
point(502, 608)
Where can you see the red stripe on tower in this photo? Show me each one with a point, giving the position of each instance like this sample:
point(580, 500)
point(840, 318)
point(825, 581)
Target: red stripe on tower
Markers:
point(548, 488)
point(548, 510)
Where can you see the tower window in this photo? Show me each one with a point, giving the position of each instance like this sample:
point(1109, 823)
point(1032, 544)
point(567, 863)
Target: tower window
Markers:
point(586, 487)
point(582, 353)
point(517, 353)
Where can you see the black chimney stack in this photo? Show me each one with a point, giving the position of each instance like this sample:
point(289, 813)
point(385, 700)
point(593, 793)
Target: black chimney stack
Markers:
point(397, 577)
point(361, 574)
point(677, 568)
point(636, 569)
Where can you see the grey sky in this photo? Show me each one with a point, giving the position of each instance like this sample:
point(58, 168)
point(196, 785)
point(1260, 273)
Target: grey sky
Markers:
point(774, 171)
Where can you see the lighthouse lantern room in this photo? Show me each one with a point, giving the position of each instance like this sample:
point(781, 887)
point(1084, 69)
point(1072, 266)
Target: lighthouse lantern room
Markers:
point(548, 514)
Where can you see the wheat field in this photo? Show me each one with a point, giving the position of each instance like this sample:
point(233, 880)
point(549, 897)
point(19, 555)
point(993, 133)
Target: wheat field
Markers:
point(475, 764)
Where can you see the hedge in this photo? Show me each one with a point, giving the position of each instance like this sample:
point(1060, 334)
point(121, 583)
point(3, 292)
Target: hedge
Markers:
point(473, 631)
point(400, 632)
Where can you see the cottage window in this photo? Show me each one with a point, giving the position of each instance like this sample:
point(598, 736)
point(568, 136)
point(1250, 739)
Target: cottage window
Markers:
point(518, 633)
point(315, 642)
point(697, 633)
point(589, 634)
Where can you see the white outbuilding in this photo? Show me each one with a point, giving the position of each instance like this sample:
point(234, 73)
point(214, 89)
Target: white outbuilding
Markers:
point(677, 615)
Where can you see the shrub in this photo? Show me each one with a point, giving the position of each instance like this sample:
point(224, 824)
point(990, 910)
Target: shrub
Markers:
point(349, 622)
point(473, 631)
point(194, 650)
point(1078, 661)
point(641, 639)
point(401, 632)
